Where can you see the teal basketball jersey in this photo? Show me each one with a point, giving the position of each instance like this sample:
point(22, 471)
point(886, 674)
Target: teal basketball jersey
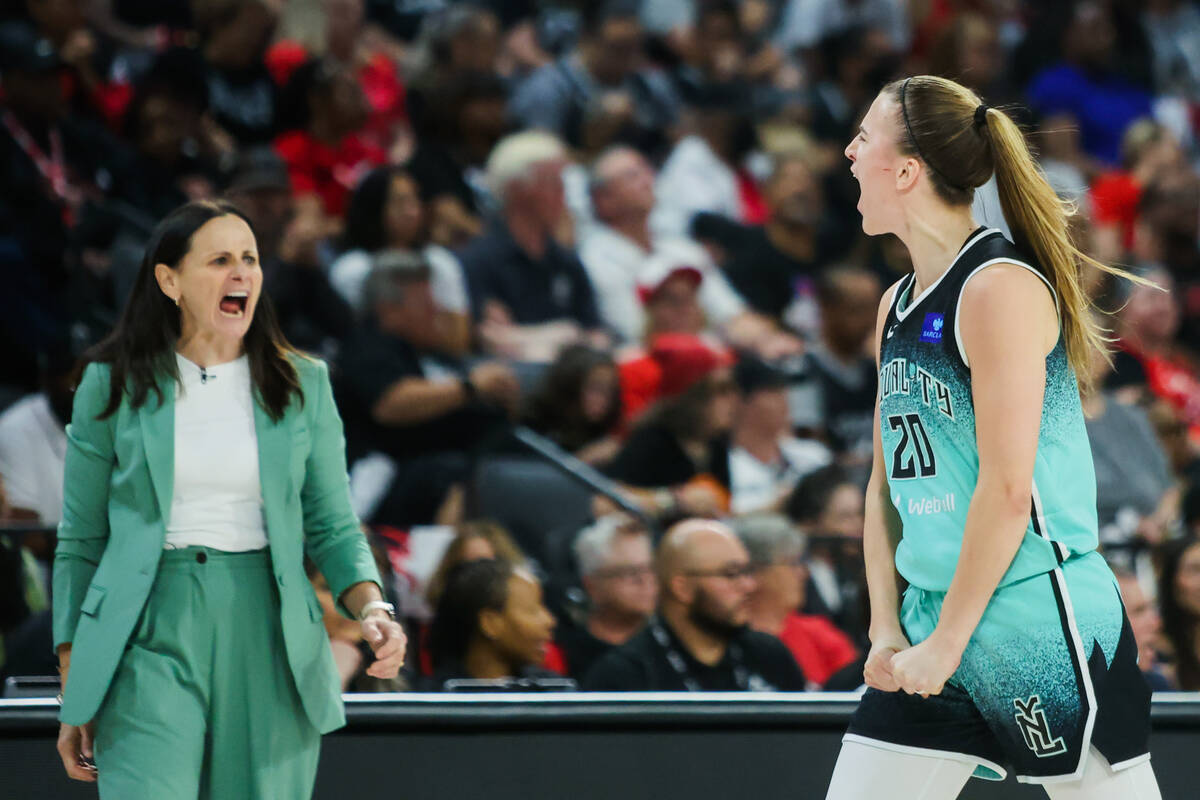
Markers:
point(927, 418)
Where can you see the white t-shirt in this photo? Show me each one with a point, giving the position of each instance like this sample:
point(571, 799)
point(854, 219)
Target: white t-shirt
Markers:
point(613, 263)
point(754, 486)
point(217, 500)
point(33, 451)
point(693, 179)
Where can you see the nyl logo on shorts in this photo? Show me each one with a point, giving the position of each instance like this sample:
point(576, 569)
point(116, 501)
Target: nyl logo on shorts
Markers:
point(931, 331)
point(1035, 730)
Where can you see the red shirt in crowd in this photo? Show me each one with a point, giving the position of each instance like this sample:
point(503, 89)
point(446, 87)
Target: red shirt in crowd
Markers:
point(1115, 197)
point(329, 172)
point(817, 645)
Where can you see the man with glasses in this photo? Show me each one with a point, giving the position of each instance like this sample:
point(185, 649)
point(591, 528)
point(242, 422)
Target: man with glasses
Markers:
point(616, 562)
point(699, 640)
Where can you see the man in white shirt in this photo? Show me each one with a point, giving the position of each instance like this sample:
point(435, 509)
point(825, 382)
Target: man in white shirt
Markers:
point(616, 250)
point(33, 443)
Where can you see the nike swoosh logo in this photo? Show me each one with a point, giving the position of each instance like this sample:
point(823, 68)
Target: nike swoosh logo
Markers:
point(891, 330)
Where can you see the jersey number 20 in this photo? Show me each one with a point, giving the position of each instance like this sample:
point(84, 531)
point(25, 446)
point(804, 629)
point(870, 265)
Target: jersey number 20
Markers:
point(908, 465)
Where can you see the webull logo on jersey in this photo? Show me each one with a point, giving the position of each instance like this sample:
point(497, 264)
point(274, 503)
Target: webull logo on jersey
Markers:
point(924, 506)
point(900, 376)
point(931, 331)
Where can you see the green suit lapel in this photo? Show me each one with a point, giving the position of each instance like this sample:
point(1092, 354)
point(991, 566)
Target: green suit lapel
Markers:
point(158, 440)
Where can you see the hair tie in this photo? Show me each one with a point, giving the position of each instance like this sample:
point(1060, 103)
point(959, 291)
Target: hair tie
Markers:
point(981, 115)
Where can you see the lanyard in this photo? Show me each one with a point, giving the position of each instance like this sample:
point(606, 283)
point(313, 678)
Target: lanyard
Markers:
point(741, 676)
point(51, 167)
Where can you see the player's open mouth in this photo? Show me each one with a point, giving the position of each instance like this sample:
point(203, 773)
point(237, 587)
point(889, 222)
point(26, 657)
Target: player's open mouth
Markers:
point(233, 305)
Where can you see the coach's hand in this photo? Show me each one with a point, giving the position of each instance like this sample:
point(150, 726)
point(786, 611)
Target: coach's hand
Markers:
point(387, 641)
point(75, 748)
point(925, 668)
point(877, 672)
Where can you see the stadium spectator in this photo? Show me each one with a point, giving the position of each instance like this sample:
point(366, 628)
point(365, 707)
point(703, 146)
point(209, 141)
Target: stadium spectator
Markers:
point(828, 507)
point(776, 550)
point(616, 564)
point(386, 212)
point(1086, 84)
point(490, 625)
point(765, 460)
point(233, 37)
point(601, 92)
point(578, 404)
point(530, 296)
point(1147, 627)
point(424, 410)
point(1148, 150)
point(1179, 602)
point(700, 639)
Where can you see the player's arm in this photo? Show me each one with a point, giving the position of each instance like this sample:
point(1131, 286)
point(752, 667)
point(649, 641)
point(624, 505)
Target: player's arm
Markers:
point(1008, 325)
point(881, 534)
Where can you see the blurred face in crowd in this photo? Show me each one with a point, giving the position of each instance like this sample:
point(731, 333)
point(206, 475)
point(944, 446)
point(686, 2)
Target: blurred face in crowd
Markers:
point(403, 213)
point(270, 209)
point(522, 630)
point(875, 162)
point(598, 393)
point(1176, 213)
point(477, 548)
point(164, 124)
point(343, 102)
point(843, 514)
point(793, 195)
point(675, 306)
point(540, 194)
point(848, 318)
point(980, 57)
point(481, 123)
point(343, 23)
point(475, 47)
point(723, 402)
point(239, 39)
point(1152, 316)
point(766, 410)
point(1090, 38)
point(1143, 618)
point(626, 584)
point(56, 19)
point(781, 583)
point(617, 52)
point(1187, 580)
point(626, 186)
point(717, 581)
point(413, 317)
point(218, 281)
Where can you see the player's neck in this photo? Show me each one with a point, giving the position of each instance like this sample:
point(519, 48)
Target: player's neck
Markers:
point(934, 235)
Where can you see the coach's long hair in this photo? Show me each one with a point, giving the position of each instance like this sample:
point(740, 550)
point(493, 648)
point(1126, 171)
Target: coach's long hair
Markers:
point(962, 152)
point(141, 348)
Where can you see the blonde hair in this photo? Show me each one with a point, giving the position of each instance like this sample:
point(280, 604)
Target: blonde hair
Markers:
point(515, 156)
point(963, 142)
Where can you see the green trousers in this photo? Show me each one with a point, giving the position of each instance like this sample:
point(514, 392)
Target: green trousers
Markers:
point(203, 704)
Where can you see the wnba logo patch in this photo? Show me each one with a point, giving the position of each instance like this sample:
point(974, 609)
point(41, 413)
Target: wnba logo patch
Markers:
point(1035, 730)
point(931, 331)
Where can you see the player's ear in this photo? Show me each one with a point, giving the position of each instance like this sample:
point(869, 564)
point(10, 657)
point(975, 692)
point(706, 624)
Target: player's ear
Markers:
point(906, 176)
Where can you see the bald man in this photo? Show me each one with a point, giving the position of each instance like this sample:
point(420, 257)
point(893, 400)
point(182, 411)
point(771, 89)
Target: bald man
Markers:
point(699, 640)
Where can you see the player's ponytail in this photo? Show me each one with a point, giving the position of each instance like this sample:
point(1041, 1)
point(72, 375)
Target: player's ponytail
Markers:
point(963, 142)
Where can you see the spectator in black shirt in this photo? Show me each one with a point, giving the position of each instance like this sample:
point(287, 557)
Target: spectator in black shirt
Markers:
point(616, 561)
point(765, 262)
point(700, 640)
point(530, 296)
point(233, 38)
point(842, 362)
point(402, 399)
point(490, 625)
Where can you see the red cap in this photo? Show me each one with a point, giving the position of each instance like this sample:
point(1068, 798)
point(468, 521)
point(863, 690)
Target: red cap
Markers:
point(684, 360)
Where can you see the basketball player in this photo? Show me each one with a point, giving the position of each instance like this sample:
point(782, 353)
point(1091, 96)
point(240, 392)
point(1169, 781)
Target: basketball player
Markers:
point(1010, 648)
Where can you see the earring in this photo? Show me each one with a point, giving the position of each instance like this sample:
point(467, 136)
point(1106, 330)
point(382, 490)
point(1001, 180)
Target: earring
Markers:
point(177, 302)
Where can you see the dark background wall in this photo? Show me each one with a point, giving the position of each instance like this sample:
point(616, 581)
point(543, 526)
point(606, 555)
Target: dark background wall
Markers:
point(537, 746)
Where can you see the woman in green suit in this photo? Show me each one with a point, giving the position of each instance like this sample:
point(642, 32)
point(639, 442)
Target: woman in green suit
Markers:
point(205, 460)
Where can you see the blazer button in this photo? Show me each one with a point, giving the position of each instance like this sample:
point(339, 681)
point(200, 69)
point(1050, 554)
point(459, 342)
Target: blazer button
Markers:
point(201, 557)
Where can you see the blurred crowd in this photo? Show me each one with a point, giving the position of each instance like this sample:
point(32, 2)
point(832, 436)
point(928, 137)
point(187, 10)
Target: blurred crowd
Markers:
point(624, 230)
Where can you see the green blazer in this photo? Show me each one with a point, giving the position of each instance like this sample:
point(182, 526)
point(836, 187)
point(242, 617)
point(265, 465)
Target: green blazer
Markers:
point(116, 501)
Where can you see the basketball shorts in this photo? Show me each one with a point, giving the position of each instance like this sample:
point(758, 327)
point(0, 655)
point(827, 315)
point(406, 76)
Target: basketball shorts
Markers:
point(1051, 669)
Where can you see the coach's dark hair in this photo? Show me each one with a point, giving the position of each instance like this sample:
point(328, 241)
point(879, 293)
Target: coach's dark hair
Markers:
point(141, 348)
point(471, 588)
point(963, 142)
point(1181, 625)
